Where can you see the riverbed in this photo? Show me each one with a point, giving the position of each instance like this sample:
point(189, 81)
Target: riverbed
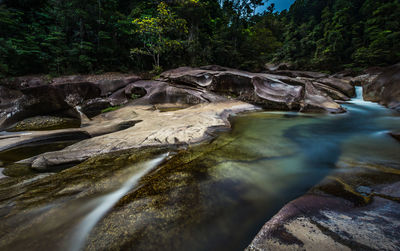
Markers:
point(211, 196)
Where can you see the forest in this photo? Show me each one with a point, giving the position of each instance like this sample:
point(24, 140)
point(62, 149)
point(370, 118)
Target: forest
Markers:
point(218, 125)
point(63, 37)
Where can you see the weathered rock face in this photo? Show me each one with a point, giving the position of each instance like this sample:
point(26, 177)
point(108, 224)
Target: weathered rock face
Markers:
point(158, 92)
point(272, 91)
point(304, 74)
point(77, 92)
point(385, 88)
point(107, 83)
point(338, 84)
point(325, 223)
point(33, 101)
point(93, 107)
point(316, 101)
point(88, 95)
point(278, 67)
point(26, 97)
point(356, 209)
point(279, 94)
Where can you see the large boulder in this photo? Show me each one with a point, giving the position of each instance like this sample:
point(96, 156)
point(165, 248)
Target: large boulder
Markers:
point(108, 83)
point(278, 67)
point(332, 92)
point(93, 107)
point(321, 222)
point(304, 74)
point(271, 91)
point(190, 76)
point(355, 208)
point(316, 101)
point(159, 92)
point(67, 96)
point(340, 85)
point(109, 86)
point(77, 92)
point(385, 88)
point(277, 94)
point(33, 101)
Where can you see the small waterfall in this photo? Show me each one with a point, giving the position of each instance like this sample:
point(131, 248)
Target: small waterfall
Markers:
point(359, 104)
point(103, 204)
point(359, 99)
point(359, 93)
point(84, 118)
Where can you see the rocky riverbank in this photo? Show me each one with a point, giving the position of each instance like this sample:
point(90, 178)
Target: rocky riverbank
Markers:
point(54, 124)
point(37, 103)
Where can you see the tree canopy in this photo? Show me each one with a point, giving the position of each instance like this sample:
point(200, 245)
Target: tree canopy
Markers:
point(62, 37)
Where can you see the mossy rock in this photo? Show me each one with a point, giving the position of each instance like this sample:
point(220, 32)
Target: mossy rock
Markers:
point(44, 123)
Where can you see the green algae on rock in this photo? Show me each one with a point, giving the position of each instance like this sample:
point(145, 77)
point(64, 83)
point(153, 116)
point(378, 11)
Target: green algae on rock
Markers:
point(44, 123)
point(173, 204)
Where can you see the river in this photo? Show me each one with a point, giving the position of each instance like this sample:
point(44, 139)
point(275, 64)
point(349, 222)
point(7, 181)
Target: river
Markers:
point(214, 196)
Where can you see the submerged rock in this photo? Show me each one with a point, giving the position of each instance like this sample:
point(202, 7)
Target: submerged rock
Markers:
point(17, 147)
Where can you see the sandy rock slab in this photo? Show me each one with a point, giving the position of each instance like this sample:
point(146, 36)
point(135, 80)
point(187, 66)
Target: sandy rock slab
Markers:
point(149, 127)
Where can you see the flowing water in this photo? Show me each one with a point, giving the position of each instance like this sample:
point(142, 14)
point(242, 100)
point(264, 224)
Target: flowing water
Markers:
point(103, 204)
point(215, 196)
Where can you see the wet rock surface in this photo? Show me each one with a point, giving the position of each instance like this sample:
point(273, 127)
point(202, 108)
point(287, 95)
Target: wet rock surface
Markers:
point(192, 200)
point(352, 211)
point(355, 207)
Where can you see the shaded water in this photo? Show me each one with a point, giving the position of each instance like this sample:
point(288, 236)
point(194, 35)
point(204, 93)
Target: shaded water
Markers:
point(214, 196)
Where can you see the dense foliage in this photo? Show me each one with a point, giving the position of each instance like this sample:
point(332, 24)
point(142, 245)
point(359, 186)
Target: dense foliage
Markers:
point(61, 37)
point(331, 34)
